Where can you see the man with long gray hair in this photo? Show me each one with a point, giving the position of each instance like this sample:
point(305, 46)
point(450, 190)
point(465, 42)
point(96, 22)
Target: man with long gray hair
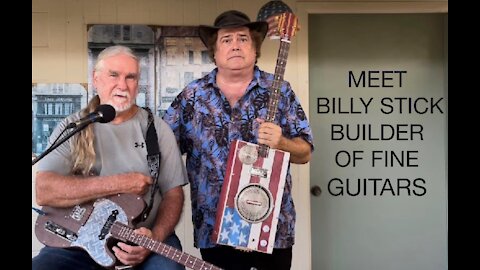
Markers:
point(107, 159)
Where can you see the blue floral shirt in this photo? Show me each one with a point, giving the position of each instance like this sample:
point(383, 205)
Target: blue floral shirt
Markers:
point(204, 124)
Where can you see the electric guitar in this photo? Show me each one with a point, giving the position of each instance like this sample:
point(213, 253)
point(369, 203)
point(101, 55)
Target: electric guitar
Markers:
point(97, 226)
point(249, 205)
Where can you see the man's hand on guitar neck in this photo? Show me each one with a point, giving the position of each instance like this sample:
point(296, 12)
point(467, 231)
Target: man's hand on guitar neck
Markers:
point(271, 134)
point(132, 254)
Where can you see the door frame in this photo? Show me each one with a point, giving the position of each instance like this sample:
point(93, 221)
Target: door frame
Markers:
point(304, 9)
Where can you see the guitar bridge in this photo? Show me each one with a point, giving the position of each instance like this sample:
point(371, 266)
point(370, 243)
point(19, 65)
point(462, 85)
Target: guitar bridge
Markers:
point(60, 231)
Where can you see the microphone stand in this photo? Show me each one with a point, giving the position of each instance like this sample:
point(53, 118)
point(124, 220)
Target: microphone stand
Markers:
point(58, 142)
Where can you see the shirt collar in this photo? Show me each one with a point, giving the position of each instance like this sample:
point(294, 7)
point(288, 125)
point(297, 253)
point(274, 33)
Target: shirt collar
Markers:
point(259, 78)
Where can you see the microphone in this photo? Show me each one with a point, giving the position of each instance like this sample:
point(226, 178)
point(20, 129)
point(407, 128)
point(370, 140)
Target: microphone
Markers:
point(103, 114)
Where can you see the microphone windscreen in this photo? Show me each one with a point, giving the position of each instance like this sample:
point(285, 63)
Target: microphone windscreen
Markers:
point(107, 111)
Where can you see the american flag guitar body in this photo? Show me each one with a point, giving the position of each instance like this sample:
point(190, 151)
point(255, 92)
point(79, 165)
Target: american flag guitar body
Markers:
point(252, 191)
point(249, 204)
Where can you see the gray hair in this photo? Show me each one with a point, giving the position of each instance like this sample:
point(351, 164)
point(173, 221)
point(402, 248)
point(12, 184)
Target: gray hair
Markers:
point(112, 51)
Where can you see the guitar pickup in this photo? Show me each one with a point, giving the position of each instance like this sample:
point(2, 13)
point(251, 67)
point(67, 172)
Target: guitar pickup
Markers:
point(108, 224)
point(60, 231)
point(260, 172)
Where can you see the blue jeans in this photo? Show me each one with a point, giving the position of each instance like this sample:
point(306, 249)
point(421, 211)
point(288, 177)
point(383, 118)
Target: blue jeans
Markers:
point(51, 258)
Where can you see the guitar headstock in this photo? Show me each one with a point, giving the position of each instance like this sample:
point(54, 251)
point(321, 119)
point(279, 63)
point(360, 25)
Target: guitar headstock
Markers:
point(282, 26)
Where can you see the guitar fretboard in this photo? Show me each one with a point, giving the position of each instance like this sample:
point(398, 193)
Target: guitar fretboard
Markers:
point(275, 89)
point(121, 231)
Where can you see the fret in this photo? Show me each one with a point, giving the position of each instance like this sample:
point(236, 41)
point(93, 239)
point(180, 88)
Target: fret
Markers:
point(143, 241)
point(185, 260)
point(158, 246)
point(201, 266)
point(131, 237)
point(174, 255)
point(150, 244)
point(192, 263)
point(155, 246)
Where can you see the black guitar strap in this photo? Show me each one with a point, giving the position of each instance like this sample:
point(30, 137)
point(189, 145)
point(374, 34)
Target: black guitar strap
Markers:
point(153, 158)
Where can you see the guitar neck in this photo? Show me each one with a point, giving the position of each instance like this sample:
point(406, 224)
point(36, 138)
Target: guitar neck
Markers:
point(121, 231)
point(275, 88)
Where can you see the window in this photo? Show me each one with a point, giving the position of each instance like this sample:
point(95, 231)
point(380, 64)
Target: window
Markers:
point(50, 106)
point(190, 57)
point(126, 32)
point(205, 58)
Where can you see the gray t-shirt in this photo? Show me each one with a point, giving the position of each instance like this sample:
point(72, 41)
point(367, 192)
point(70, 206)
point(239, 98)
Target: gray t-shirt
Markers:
point(122, 148)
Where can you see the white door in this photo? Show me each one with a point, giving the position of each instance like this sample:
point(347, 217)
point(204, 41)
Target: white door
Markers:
point(378, 108)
